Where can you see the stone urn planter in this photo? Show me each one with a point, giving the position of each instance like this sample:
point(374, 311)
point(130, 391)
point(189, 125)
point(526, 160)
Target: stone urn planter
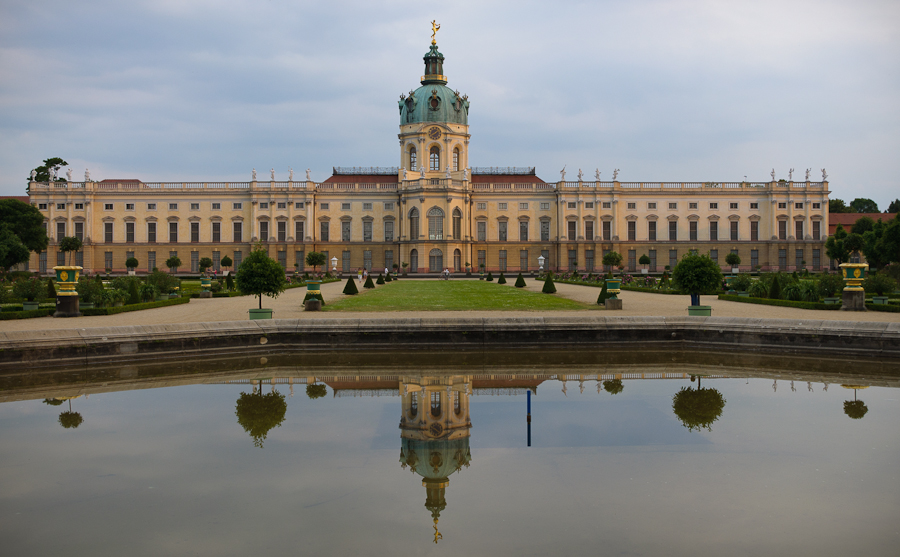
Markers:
point(853, 297)
point(613, 286)
point(703, 311)
point(264, 313)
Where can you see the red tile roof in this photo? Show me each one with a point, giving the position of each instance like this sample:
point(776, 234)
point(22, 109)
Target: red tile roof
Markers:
point(22, 198)
point(363, 179)
point(847, 220)
point(506, 179)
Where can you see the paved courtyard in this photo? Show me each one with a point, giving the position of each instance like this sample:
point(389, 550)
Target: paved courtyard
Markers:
point(288, 306)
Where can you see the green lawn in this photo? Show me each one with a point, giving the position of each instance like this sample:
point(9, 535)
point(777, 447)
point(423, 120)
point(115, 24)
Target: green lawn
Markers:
point(459, 295)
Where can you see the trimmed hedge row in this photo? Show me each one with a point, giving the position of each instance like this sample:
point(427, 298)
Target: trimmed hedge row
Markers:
point(651, 290)
point(782, 303)
point(887, 308)
point(135, 307)
point(42, 312)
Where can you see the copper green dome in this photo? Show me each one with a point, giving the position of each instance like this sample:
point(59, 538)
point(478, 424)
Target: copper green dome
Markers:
point(434, 101)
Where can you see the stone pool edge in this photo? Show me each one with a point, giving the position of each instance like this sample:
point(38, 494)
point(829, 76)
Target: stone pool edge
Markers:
point(124, 343)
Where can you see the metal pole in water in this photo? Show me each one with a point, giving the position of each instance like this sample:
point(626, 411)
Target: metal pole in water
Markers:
point(528, 417)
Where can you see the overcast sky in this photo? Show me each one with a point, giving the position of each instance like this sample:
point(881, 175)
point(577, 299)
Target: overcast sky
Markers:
point(206, 90)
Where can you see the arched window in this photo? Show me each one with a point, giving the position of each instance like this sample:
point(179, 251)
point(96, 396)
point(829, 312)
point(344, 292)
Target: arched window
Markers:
point(412, 158)
point(414, 224)
point(456, 160)
point(435, 158)
point(414, 261)
point(435, 224)
point(435, 261)
point(457, 224)
point(457, 260)
point(413, 405)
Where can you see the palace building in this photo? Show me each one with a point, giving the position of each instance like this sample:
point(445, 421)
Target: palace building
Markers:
point(434, 211)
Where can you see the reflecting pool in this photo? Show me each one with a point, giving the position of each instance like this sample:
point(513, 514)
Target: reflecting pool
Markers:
point(649, 453)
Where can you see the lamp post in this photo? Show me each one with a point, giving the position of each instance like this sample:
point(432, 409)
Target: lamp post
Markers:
point(334, 264)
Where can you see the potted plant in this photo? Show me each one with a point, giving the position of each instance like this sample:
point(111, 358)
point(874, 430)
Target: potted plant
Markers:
point(226, 262)
point(404, 265)
point(468, 269)
point(260, 274)
point(644, 261)
point(30, 289)
point(131, 263)
point(734, 260)
point(613, 259)
point(697, 274)
point(205, 282)
point(880, 284)
point(173, 263)
point(481, 271)
point(829, 284)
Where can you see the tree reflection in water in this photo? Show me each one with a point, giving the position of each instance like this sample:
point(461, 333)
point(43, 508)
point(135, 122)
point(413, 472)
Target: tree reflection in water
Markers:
point(855, 409)
point(698, 408)
point(258, 413)
point(614, 386)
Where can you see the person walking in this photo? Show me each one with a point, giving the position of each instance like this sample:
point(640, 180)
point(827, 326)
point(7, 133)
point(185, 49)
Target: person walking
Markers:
point(359, 274)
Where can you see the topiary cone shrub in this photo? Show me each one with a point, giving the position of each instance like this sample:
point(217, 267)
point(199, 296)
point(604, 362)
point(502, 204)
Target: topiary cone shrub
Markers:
point(502, 279)
point(380, 279)
point(350, 288)
point(51, 290)
point(549, 287)
point(369, 283)
point(388, 278)
point(775, 289)
point(134, 296)
point(311, 296)
point(490, 277)
point(604, 294)
point(520, 281)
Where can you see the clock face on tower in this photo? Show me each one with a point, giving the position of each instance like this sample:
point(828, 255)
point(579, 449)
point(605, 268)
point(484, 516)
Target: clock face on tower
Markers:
point(434, 133)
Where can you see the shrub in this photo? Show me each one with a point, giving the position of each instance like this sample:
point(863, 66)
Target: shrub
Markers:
point(369, 283)
point(226, 262)
point(733, 259)
point(311, 296)
point(380, 279)
point(775, 289)
point(520, 281)
point(830, 284)
point(164, 282)
point(613, 259)
point(809, 291)
point(549, 287)
point(604, 295)
point(758, 289)
point(742, 282)
point(229, 282)
point(205, 263)
point(350, 288)
point(387, 278)
point(131, 262)
point(51, 290)
point(134, 297)
point(261, 275)
point(148, 292)
point(791, 291)
point(173, 262)
point(89, 290)
point(879, 283)
point(490, 277)
point(697, 274)
point(502, 279)
point(31, 289)
point(644, 260)
point(316, 391)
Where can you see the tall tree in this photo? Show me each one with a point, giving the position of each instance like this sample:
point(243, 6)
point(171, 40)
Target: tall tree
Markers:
point(834, 246)
point(863, 205)
point(21, 232)
point(862, 225)
point(42, 173)
point(894, 207)
point(837, 206)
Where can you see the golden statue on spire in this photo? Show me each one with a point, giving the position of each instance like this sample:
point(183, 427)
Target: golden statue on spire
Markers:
point(437, 535)
point(434, 29)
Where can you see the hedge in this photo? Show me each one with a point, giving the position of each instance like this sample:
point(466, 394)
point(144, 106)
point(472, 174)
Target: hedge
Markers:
point(782, 303)
point(135, 307)
point(651, 290)
point(42, 312)
point(887, 308)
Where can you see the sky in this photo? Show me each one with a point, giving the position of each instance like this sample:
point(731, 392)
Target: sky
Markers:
point(676, 90)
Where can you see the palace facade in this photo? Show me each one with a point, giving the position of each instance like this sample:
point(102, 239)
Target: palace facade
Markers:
point(434, 211)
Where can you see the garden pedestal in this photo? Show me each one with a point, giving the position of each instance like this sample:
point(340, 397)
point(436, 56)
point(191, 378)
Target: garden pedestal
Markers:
point(313, 305)
point(613, 303)
point(205, 294)
point(67, 306)
point(853, 300)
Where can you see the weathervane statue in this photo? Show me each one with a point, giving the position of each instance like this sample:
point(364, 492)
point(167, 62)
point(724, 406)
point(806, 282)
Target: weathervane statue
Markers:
point(434, 29)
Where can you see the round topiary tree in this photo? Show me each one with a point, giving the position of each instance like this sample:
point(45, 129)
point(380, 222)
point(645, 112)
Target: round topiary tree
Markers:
point(644, 260)
point(131, 263)
point(733, 259)
point(613, 386)
point(226, 262)
point(173, 263)
point(697, 274)
point(314, 259)
point(260, 274)
point(70, 244)
point(855, 409)
point(549, 287)
point(520, 281)
point(612, 259)
point(350, 288)
point(205, 264)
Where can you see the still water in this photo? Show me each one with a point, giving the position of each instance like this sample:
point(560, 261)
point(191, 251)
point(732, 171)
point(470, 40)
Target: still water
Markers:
point(650, 454)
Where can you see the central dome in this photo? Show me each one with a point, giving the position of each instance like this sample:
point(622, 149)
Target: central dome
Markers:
point(434, 101)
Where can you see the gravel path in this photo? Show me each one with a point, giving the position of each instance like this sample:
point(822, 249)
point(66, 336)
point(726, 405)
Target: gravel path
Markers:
point(288, 306)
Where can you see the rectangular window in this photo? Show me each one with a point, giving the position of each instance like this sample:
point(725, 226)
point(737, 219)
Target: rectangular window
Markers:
point(79, 206)
point(281, 205)
point(651, 205)
point(673, 229)
point(632, 260)
point(151, 261)
point(281, 227)
point(282, 258)
point(299, 230)
point(195, 261)
point(782, 205)
point(481, 258)
point(79, 230)
point(323, 231)
point(589, 230)
point(815, 206)
point(217, 232)
point(151, 206)
point(692, 231)
point(367, 259)
point(298, 205)
point(733, 206)
point(389, 259)
point(195, 232)
point(60, 259)
point(632, 205)
point(367, 231)
point(782, 259)
point(151, 232)
point(264, 231)
point(523, 230)
point(817, 260)
point(651, 230)
point(388, 231)
point(264, 205)
point(323, 206)
point(545, 231)
point(523, 206)
point(481, 206)
point(129, 232)
point(345, 206)
point(673, 206)
point(632, 230)
point(571, 205)
point(607, 231)
point(573, 259)
point(523, 260)
point(799, 258)
point(107, 206)
point(589, 260)
point(734, 230)
point(673, 258)
point(129, 206)
point(367, 206)
point(754, 206)
point(782, 230)
point(754, 258)
point(692, 205)
point(300, 261)
point(217, 260)
point(216, 206)
point(816, 230)
point(713, 206)
point(173, 206)
point(388, 207)
point(501, 206)
point(503, 260)
point(545, 206)
point(652, 254)
point(754, 231)
point(107, 260)
point(713, 231)
point(481, 231)
point(798, 229)
point(107, 232)
point(714, 255)
point(501, 231)
point(42, 206)
point(237, 231)
point(571, 230)
point(238, 257)
point(61, 230)
point(173, 232)
point(195, 206)
point(798, 205)
point(237, 206)
point(589, 205)
point(345, 231)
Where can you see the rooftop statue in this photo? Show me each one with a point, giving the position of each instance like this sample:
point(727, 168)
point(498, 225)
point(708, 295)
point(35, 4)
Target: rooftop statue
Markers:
point(773, 174)
point(87, 175)
point(791, 175)
point(254, 175)
point(307, 175)
point(580, 175)
point(615, 174)
point(807, 174)
point(597, 174)
point(434, 29)
point(33, 175)
point(69, 175)
point(562, 174)
point(291, 175)
point(272, 172)
point(824, 175)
